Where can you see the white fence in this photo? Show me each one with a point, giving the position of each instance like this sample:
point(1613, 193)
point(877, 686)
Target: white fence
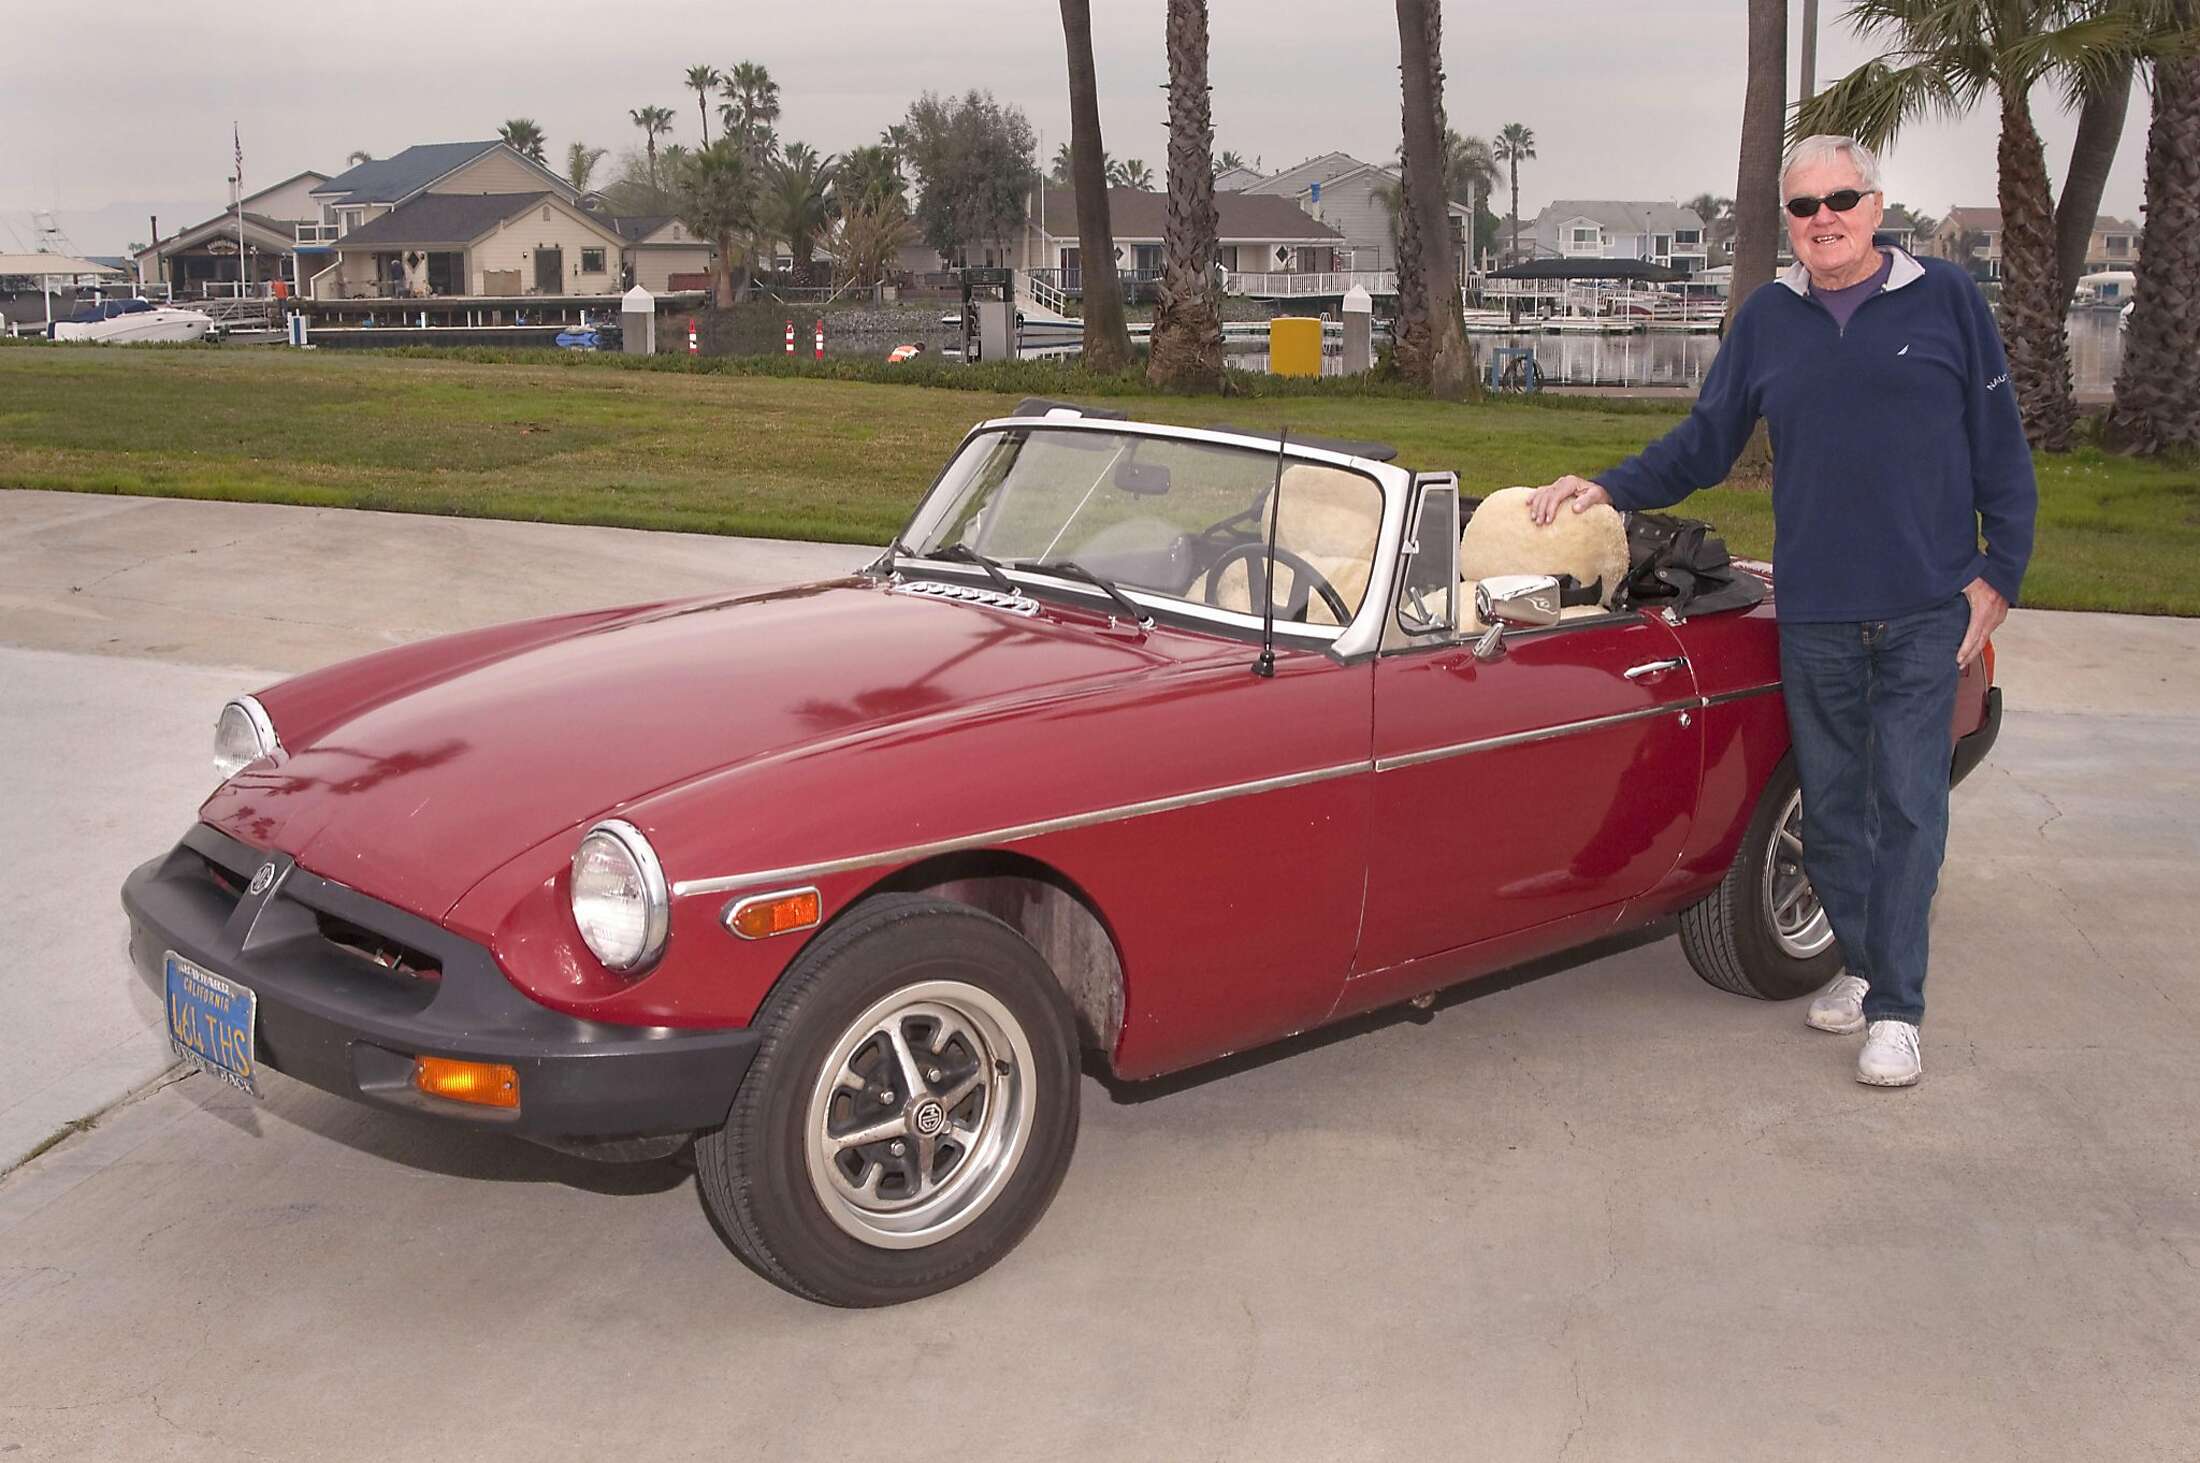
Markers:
point(1312, 286)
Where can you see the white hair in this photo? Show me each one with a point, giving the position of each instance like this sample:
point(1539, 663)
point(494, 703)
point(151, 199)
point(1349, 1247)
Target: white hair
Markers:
point(1827, 147)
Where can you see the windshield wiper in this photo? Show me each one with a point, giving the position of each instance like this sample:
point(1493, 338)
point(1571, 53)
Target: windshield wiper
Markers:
point(964, 554)
point(1071, 569)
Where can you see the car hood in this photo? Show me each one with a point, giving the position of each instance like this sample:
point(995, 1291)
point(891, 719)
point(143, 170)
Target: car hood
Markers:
point(416, 795)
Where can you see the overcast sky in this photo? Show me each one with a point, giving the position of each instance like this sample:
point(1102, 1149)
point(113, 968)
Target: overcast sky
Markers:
point(106, 123)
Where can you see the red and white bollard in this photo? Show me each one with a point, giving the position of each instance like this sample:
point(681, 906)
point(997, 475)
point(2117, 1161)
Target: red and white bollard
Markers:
point(694, 346)
point(821, 340)
point(790, 337)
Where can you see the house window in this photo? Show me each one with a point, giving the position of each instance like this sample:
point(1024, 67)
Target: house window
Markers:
point(1688, 238)
point(592, 261)
point(2119, 244)
point(1585, 236)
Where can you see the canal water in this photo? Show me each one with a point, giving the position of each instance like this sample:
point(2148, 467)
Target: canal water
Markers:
point(2096, 350)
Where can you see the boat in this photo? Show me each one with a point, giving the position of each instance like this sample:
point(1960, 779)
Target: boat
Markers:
point(133, 322)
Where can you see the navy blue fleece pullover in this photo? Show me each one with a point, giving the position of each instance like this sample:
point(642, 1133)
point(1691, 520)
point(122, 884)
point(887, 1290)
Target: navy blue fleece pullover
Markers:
point(1895, 444)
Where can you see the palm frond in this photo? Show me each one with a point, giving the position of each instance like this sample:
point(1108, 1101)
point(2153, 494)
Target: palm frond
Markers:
point(1875, 101)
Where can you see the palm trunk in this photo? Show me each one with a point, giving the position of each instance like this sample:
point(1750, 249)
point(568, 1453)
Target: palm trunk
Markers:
point(2032, 307)
point(702, 105)
point(1513, 166)
point(1433, 342)
point(1187, 324)
point(2100, 129)
point(1757, 181)
point(652, 144)
point(722, 284)
point(2157, 404)
point(1107, 338)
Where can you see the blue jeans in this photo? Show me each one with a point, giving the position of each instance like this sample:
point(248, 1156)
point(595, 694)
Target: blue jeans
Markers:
point(1869, 706)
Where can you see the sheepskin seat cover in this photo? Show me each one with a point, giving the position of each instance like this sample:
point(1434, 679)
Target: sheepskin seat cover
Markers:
point(1331, 518)
point(1502, 539)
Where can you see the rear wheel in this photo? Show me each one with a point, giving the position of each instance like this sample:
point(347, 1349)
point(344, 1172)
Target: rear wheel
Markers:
point(910, 1112)
point(1762, 932)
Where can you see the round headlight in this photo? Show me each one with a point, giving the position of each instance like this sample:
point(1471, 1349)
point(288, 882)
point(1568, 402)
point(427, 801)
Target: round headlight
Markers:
point(620, 903)
point(242, 735)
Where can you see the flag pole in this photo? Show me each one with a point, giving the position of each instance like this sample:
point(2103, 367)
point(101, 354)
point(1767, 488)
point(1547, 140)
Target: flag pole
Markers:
point(238, 138)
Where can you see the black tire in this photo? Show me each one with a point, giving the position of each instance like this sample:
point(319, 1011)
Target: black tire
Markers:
point(779, 1193)
point(1729, 935)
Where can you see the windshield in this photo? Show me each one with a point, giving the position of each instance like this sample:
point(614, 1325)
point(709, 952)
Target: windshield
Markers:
point(1162, 516)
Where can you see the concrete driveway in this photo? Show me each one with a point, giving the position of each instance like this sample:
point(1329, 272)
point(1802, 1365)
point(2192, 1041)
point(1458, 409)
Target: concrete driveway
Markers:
point(1595, 1209)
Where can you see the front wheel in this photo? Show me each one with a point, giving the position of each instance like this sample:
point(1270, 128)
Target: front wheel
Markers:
point(910, 1112)
point(1762, 932)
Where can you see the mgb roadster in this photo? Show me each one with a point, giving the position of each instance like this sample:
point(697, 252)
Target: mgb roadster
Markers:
point(1144, 741)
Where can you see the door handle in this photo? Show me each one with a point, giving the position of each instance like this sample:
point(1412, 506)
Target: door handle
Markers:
point(1654, 667)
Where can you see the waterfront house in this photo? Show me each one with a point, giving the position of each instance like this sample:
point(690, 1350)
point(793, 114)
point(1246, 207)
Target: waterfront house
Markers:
point(381, 185)
point(1257, 233)
point(1339, 190)
point(498, 245)
point(1972, 236)
point(1664, 234)
point(208, 259)
point(659, 247)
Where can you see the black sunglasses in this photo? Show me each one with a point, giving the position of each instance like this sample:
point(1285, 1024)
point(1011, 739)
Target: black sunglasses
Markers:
point(1841, 202)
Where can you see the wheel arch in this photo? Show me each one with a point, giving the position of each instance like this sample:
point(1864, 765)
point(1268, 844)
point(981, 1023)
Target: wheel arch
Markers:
point(1044, 905)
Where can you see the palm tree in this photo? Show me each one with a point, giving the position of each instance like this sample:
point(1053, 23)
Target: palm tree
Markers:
point(357, 157)
point(1432, 342)
point(1186, 350)
point(868, 235)
point(1757, 172)
point(523, 136)
point(2100, 131)
point(703, 80)
point(801, 206)
point(1515, 145)
point(751, 106)
point(580, 164)
point(866, 175)
point(1132, 174)
point(2157, 403)
point(1226, 160)
point(1107, 338)
point(653, 121)
point(1946, 55)
point(1718, 218)
point(716, 194)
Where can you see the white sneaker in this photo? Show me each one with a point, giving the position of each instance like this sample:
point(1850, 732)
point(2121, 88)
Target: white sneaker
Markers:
point(1890, 1057)
point(1839, 1008)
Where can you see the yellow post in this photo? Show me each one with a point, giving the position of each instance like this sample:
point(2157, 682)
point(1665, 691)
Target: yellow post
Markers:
point(1295, 346)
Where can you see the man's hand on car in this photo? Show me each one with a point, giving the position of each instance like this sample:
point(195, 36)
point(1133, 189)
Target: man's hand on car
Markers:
point(1543, 507)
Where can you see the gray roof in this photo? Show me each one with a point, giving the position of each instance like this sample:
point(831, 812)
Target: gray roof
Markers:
point(1313, 170)
point(1138, 214)
point(389, 179)
point(1622, 216)
point(440, 218)
point(636, 225)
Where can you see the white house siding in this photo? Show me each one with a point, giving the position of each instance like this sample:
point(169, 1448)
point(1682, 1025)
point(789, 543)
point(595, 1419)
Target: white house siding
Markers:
point(496, 172)
point(293, 202)
point(655, 265)
point(1351, 208)
point(545, 226)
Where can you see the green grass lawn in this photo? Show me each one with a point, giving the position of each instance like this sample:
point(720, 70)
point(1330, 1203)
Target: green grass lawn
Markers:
point(801, 457)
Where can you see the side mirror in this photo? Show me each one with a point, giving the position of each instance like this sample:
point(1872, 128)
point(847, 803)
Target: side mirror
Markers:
point(1512, 601)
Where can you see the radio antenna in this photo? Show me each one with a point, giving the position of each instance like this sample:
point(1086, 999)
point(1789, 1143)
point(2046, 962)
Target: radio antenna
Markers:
point(1265, 666)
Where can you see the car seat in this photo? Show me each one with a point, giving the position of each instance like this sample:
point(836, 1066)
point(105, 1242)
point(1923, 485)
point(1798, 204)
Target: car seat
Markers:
point(1331, 518)
point(1500, 538)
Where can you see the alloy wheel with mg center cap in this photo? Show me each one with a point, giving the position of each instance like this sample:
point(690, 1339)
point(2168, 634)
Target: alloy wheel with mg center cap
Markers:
point(918, 1113)
point(910, 1111)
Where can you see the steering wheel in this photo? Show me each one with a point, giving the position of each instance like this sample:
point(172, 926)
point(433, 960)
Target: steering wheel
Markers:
point(1306, 580)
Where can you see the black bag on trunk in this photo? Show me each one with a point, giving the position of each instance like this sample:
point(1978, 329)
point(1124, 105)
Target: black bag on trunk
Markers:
point(1681, 565)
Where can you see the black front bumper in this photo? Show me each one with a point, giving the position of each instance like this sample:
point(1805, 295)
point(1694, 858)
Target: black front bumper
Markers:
point(1972, 749)
point(331, 1016)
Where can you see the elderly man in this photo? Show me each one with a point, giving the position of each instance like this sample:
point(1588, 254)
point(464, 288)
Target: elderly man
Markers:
point(1896, 442)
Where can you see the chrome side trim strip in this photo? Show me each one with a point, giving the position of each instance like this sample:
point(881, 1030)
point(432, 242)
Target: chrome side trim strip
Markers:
point(1540, 734)
point(805, 873)
point(1743, 695)
point(1567, 728)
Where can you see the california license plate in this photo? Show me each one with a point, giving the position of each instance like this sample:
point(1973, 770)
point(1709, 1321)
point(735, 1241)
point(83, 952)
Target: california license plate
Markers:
point(210, 1022)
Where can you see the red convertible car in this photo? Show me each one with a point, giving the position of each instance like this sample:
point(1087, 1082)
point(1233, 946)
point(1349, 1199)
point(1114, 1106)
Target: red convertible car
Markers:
point(1149, 741)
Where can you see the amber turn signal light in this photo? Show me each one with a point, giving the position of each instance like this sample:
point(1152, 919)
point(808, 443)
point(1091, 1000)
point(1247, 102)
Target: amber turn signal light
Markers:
point(764, 915)
point(485, 1084)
